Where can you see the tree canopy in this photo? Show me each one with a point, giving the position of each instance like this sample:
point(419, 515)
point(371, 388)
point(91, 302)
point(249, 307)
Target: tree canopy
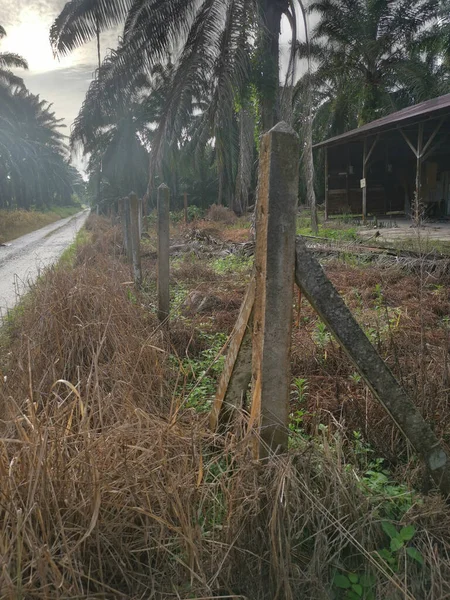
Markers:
point(34, 166)
point(213, 83)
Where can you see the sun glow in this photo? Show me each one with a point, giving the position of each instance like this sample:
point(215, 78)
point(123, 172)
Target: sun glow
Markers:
point(30, 39)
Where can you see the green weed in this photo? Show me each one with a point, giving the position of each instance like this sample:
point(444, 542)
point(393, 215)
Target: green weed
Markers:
point(201, 373)
point(231, 264)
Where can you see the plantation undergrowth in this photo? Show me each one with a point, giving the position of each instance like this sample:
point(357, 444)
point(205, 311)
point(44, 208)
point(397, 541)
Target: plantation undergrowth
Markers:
point(113, 487)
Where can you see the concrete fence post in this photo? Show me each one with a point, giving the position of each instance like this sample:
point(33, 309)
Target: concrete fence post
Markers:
point(163, 253)
point(276, 211)
point(135, 239)
point(140, 217)
point(127, 227)
point(333, 311)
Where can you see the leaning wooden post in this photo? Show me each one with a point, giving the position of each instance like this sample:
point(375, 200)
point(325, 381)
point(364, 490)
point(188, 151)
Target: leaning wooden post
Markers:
point(163, 253)
point(135, 239)
point(276, 210)
point(333, 311)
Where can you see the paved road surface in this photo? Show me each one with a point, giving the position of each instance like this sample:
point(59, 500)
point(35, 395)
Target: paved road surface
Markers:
point(23, 259)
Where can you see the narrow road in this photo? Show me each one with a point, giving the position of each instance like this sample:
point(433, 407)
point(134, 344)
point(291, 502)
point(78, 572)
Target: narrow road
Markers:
point(23, 259)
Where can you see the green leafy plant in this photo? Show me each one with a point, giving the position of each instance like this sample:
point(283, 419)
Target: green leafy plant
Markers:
point(199, 384)
point(398, 540)
point(232, 263)
point(354, 586)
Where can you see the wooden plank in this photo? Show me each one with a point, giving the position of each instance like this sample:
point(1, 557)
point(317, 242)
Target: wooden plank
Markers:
point(230, 387)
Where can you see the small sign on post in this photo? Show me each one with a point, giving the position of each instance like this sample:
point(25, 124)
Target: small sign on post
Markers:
point(163, 253)
point(362, 183)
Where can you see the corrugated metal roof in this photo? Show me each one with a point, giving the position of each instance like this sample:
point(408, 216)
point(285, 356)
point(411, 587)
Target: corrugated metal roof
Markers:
point(412, 113)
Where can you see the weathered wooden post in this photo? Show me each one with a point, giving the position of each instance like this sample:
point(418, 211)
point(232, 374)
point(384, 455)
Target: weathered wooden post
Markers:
point(163, 253)
point(135, 239)
point(276, 211)
point(185, 208)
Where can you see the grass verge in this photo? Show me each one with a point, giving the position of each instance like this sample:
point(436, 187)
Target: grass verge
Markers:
point(16, 223)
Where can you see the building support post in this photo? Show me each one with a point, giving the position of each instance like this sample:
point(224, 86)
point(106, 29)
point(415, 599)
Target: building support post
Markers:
point(418, 198)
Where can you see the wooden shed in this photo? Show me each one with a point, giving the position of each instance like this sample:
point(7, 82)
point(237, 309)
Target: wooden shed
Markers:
point(380, 167)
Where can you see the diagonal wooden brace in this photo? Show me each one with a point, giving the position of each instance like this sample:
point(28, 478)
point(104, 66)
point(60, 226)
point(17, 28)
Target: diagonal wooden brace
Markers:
point(237, 371)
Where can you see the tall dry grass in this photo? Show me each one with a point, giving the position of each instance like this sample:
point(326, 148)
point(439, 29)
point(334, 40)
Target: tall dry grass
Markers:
point(107, 491)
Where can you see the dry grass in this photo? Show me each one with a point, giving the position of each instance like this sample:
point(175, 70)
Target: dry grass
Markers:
point(221, 214)
point(15, 223)
point(110, 489)
point(407, 322)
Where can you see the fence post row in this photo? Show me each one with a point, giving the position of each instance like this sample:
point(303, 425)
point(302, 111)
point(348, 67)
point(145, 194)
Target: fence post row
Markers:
point(163, 253)
point(135, 239)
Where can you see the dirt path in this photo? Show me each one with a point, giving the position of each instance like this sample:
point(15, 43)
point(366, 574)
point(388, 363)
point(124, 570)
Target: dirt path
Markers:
point(22, 259)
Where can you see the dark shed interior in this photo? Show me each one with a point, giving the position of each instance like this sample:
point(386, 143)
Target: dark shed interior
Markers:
point(381, 167)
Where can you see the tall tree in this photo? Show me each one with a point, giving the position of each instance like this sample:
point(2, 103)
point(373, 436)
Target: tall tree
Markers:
point(213, 40)
point(369, 42)
point(34, 170)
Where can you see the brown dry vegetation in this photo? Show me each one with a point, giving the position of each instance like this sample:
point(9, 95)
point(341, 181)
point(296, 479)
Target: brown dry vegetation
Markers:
point(110, 488)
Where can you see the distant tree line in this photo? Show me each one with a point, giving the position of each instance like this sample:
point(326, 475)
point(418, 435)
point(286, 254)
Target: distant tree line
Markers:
point(192, 85)
point(34, 166)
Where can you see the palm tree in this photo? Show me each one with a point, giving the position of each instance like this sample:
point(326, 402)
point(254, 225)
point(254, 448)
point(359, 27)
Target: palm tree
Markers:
point(211, 38)
point(370, 43)
point(8, 61)
point(111, 128)
point(79, 21)
point(34, 170)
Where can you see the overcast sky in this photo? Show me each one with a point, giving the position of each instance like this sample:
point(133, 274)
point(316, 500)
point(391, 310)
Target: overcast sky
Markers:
point(62, 82)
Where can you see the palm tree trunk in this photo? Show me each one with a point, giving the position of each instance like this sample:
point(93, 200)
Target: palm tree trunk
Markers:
point(308, 164)
point(99, 168)
point(272, 11)
point(308, 158)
